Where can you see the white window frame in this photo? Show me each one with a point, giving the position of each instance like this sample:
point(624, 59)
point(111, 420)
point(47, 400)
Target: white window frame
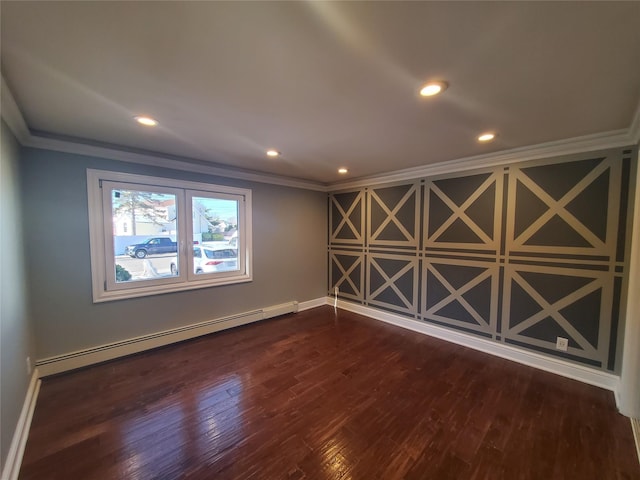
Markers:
point(192, 276)
point(104, 286)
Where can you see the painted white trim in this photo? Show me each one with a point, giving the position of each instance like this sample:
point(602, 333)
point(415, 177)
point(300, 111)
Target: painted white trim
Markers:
point(21, 433)
point(309, 304)
point(629, 403)
point(635, 426)
point(599, 141)
point(89, 356)
point(101, 247)
point(282, 309)
point(158, 160)
point(588, 143)
point(12, 115)
point(532, 359)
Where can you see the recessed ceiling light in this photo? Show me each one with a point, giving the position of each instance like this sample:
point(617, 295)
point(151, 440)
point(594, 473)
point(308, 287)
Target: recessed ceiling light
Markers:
point(343, 170)
point(273, 153)
point(487, 137)
point(146, 121)
point(433, 88)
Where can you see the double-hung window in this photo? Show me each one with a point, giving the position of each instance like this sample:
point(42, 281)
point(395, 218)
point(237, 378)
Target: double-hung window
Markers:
point(152, 235)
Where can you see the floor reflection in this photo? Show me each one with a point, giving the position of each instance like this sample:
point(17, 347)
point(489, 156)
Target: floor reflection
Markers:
point(219, 408)
point(154, 443)
point(196, 423)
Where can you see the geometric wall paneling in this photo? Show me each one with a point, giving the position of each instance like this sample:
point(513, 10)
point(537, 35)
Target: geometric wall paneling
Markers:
point(394, 215)
point(542, 303)
point(464, 212)
point(347, 217)
point(392, 281)
point(624, 219)
point(346, 271)
point(460, 293)
point(564, 208)
point(520, 254)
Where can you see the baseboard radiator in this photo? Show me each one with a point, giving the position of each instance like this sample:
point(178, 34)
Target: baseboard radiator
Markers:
point(90, 356)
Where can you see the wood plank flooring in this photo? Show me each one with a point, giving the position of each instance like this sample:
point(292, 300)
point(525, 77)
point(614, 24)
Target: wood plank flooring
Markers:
point(318, 395)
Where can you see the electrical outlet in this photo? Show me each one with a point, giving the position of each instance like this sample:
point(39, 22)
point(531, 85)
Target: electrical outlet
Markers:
point(562, 344)
point(28, 365)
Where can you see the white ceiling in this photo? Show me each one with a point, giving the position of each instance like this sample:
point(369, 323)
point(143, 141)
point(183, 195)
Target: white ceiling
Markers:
point(328, 84)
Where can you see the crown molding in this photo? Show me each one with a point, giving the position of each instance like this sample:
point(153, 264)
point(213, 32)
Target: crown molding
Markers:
point(588, 143)
point(599, 141)
point(12, 115)
point(157, 160)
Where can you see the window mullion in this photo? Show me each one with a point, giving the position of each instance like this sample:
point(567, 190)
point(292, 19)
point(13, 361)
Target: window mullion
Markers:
point(161, 209)
point(186, 237)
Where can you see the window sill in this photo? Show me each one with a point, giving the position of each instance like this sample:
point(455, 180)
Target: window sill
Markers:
point(108, 296)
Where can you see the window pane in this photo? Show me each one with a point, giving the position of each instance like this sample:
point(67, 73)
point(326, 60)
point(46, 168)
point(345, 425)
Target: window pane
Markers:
point(181, 235)
point(144, 235)
point(215, 229)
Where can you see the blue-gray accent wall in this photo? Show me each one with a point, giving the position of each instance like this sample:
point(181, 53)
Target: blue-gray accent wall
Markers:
point(519, 254)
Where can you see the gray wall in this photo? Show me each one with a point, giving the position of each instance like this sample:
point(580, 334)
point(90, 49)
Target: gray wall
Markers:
point(289, 257)
point(15, 330)
point(518, 254)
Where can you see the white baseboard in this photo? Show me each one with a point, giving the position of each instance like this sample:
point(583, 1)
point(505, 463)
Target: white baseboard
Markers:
point(62, 363)
point(549, 364)
point(19, 440)
point(90, 356)
point(635, 426)
point(318, 302)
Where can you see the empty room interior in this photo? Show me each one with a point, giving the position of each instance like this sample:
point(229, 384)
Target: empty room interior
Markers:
point(320, 240)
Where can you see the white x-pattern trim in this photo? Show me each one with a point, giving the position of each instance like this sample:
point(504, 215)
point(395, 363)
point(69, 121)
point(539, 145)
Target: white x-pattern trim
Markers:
point(458, 294)
point(391, 217)
point(556, 207)
point(346, 273)
point(390, 281)
point(459, 212)
point(357, 203)
point(553, 310)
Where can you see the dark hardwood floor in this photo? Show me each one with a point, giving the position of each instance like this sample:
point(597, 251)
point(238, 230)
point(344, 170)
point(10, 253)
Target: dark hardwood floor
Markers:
point(322, 396)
